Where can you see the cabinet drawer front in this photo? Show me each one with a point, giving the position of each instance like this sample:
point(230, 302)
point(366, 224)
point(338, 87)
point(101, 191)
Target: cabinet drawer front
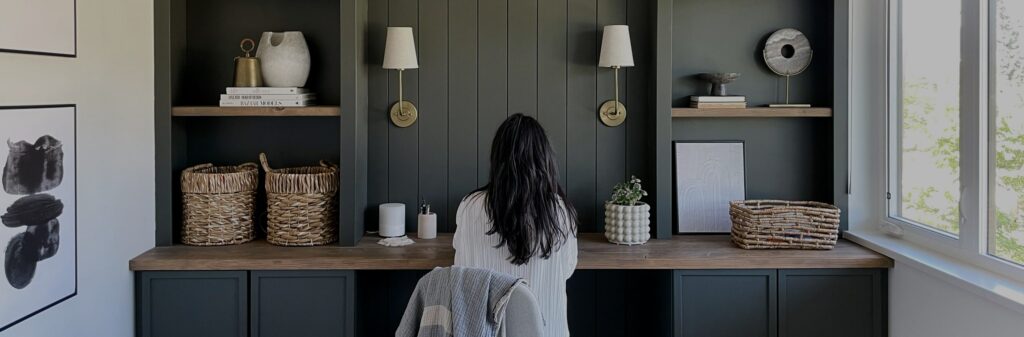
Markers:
point(302, 303)
point(197, 304)
point(833, 302)
point(712, 303)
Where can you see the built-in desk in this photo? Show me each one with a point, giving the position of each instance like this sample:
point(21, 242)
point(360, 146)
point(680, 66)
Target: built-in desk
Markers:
point(681, 252)
point(697, 285)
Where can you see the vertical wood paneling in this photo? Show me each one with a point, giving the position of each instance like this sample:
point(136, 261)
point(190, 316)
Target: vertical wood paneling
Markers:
point(660, 122)
point(582, 111)
point(169, 136)
point(638, 96)
point(433, 105)
point(403, 156)
point(482, 60)
point(377, 114)
point(611, 141)
point(522, 57)
point(462, 103)
point(353, 125)
point(552, 48)
point(493, 78)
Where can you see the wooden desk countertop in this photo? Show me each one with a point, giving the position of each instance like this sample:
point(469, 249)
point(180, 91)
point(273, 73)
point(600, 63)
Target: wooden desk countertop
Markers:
point(680, 252)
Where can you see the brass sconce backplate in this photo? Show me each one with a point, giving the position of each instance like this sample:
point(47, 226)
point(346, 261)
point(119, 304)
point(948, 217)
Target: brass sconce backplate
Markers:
point(608, 115)
point(404, 114)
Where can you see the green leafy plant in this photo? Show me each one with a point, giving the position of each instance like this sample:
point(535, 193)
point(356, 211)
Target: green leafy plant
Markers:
point(628, 193)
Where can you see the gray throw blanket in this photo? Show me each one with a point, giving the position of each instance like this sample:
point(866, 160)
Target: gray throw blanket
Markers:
point(458, 302)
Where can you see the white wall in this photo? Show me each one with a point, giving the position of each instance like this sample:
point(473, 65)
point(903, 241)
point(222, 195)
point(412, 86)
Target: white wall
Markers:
point(921, 305)
point(112, 83)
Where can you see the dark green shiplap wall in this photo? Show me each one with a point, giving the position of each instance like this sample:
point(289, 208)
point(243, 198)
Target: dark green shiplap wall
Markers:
point(482, 60)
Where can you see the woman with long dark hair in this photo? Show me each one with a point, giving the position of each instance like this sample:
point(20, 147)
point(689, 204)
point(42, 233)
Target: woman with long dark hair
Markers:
point(520, 223)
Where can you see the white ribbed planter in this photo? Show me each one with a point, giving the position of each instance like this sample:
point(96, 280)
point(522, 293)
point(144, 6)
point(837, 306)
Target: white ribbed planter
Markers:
point(285, 59)
point(627, 225)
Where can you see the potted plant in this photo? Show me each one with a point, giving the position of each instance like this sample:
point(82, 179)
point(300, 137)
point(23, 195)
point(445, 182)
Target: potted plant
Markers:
point(627, 220)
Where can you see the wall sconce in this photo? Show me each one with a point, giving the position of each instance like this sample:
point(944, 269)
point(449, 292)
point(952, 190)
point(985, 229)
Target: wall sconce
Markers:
point(616, 52)
point(400, 54)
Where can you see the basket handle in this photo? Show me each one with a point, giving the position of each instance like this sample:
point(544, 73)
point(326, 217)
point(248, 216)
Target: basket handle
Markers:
point(249, 165)
point(198, 167)
point(328, 164)
point(263, 160)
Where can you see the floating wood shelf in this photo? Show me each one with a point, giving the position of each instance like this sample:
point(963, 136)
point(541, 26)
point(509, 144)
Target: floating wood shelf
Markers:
point(680, 252)
point(215, 111)
point(752, 112)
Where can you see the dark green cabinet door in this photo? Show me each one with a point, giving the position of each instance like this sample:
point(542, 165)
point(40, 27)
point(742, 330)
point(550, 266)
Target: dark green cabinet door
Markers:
point(302, 303)
point(194, 303)
point(724, 303)
point(831, 302)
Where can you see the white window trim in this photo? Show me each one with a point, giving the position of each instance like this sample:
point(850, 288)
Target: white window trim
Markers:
point(964, 262)
point(971, 245)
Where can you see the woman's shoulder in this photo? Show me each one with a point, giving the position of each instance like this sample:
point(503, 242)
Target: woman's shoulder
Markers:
point(475, 199)
point(474, 202)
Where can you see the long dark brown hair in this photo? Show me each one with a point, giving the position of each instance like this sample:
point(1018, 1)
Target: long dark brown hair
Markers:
point(523, 199)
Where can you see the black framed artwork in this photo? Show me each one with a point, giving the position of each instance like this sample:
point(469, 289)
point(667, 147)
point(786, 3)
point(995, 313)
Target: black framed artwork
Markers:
point(38, 202)
point(42, 27)
point(708, 175)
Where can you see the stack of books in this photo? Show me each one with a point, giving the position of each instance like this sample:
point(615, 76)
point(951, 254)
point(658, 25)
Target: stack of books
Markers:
point(267, 97)
point(718, 102)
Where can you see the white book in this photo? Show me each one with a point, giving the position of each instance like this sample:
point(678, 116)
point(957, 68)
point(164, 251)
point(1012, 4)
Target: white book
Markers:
point(289, 97)
point(718, 99)
point(265, 91)
point(265, 103)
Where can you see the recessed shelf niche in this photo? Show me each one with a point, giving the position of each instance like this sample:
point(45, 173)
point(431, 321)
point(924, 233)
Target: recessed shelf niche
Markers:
point(196, 42)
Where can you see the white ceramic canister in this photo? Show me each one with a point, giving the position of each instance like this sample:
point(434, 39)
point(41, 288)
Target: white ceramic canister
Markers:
point(392, 220)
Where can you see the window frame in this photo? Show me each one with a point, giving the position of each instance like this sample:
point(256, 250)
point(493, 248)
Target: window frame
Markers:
point(977, 73)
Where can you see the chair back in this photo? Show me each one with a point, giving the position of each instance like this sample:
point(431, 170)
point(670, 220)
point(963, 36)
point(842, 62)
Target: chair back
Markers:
point(522, 316)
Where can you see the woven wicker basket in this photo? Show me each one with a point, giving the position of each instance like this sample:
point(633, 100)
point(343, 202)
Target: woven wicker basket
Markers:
point(772, 224)
point(218, 204)
point(301, 204)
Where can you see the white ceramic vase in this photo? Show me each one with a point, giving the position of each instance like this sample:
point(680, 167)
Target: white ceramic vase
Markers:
point(285, 59)
point(627, 225)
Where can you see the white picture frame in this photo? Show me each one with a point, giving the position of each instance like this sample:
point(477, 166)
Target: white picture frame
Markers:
point(38, 202)
point(41, 27)
point(708, 175)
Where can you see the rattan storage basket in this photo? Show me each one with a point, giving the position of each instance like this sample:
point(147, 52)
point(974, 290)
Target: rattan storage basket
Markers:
point(301, 204)
point(771, 224)
point(217, 204)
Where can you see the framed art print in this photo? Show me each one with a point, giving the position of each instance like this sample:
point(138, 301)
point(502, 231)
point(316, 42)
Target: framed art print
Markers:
point(708, 176)
point(45, 27)
point(38, 201)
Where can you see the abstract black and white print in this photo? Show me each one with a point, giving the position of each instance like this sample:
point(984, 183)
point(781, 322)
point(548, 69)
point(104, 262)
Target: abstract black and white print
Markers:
point(37, 210)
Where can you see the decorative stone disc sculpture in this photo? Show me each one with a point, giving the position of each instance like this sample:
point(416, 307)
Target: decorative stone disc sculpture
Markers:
point(788, 53)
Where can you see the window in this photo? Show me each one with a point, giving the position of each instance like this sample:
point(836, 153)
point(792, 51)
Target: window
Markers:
point(928, 140)
point(1006, 133)
point(956, 127)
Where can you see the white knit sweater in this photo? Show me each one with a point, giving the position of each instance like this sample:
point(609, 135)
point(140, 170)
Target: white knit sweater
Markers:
point(545, 277)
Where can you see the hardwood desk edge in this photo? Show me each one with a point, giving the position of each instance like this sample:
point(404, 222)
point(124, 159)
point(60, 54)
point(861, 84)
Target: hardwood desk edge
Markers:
point(681, 252)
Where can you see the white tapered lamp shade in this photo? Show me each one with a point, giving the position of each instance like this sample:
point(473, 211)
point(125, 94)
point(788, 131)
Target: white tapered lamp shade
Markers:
point(400, 54)
point(400, 49)
point(616, 50)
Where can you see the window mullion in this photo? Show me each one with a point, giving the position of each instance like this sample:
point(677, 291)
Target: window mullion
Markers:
point(973, 125)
